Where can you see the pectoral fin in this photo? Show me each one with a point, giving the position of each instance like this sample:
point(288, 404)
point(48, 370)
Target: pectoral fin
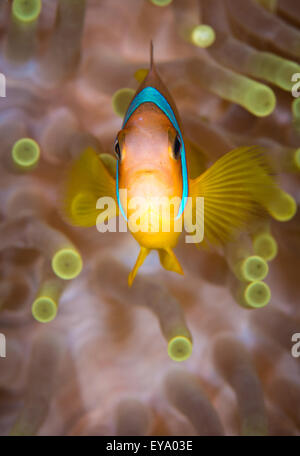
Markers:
point(196, 159)
point(233, 189)
point(110, 163)
point(87, 180)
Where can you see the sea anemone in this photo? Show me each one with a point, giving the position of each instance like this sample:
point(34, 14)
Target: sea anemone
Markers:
point(211, 352)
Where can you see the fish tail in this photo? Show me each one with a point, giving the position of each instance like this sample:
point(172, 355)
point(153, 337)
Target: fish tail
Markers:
point(234, 190)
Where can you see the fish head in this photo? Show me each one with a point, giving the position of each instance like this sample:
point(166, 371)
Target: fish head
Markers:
point(149, 165)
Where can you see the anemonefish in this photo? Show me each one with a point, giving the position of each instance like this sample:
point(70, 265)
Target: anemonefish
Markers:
point(154, 163)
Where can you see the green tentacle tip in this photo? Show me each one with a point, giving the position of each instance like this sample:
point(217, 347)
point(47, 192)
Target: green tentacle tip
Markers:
point(203, 35)
point(254, 268)
point(121, 99)
point(254, 426)
point(140, 74)
point(26, 10)
point(284, 207)
point(161, 2)
point(25, 153)
point(269, 5)
point(296, 159)
point(265, 246)
point(67, 263)
point(180, 348)
point(296, 108)
point(44, 309)
point(257, 294)
point(283, 75)
point(260, 100)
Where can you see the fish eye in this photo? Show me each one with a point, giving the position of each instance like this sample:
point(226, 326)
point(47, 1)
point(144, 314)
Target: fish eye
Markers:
point(176, 147)
point(117, 149)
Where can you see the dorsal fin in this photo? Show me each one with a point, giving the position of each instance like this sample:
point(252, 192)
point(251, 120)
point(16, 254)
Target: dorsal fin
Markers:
point(153, 80)
point(151, 55)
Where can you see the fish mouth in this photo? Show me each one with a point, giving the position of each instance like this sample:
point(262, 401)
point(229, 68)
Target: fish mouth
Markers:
point(145, 172)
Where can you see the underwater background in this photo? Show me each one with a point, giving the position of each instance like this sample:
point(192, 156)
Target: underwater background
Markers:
point(86, 355)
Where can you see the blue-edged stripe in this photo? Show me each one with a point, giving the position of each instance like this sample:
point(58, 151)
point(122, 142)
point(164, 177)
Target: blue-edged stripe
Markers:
point(152, 95)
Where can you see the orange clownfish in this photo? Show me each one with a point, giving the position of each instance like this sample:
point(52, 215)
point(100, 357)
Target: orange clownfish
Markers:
point(153, 168)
